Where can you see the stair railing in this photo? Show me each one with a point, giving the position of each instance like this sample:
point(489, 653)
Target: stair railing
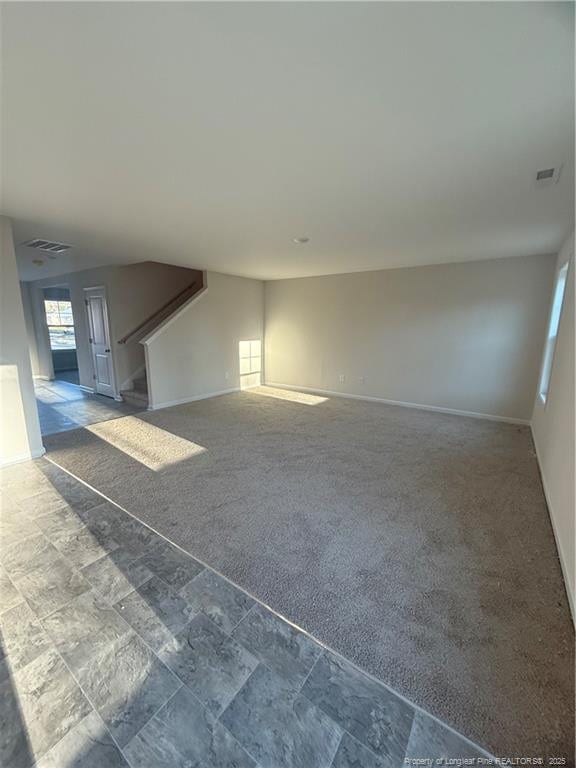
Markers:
point(160, 314)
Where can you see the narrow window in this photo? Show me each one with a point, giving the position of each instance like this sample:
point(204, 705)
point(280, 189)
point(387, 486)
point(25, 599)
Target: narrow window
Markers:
point(553, 331)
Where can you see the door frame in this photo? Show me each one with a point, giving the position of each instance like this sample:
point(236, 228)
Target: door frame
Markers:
point(89, 329)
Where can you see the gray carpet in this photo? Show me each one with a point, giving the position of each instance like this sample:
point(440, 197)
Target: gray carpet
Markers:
point(416, 544)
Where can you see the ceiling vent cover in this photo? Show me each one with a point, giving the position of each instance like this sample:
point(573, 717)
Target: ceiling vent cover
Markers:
point(548, 176)
point(47, 245)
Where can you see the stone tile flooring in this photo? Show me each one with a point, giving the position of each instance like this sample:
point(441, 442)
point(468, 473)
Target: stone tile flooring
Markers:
point(63, 406)
point(73, 377)
point(118, 649)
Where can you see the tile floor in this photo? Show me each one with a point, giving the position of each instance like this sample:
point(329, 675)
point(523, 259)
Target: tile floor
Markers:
point(63, 406)
point(118, 649)
point(71, 376)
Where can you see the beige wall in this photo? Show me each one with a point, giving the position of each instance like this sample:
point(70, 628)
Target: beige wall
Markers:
point(466, 337)
point(197, 354)
point(133, 293)
point(20, 437)
point(553, 430)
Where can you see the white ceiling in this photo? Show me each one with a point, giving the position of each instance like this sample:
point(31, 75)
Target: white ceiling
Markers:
point(212, 134)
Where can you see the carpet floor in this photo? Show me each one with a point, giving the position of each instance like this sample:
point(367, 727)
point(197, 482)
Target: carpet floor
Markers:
point(417, 544)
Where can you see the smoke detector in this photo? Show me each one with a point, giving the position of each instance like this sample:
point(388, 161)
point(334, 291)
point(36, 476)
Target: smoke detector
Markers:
point(47, 245)
point(548, 176)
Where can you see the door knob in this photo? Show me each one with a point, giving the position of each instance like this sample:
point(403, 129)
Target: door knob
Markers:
point(106, 350)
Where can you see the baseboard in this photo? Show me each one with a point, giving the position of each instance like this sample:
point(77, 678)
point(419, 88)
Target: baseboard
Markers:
point(182, 401)
point(87, 389)
point(23, 457)
point(41, 377)
point(419, 406)
point(561, 555)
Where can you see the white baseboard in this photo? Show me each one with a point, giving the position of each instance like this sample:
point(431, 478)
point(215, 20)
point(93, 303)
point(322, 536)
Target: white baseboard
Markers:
point(87, 389)
point(419, 406)
point(23, 457)
point(563, 562)
point(193, 398)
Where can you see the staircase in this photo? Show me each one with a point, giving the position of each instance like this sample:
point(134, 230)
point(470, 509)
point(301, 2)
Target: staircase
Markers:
point(138, 395)
point(165, 311)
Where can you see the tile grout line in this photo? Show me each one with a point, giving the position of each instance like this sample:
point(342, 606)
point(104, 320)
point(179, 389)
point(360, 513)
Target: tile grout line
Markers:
point(67, 603)
point(224, 709)
point(342, 732)
point(219, 718)
point(242, 747)
point(191, 692)
point(88, 699)
point(341, 727)
point(414, 706)
point(235, 627)
point(53, 647)
point(301, 687)
point(314, 704)
point(23, 600)
point(159, 660)
point(25, 538)
point(347, 732)
point(188, 583)
point(92, 712)
point(156, 713)
point(297, 691)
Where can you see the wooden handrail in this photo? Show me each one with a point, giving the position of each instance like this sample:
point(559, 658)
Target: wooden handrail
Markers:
point(178, 299)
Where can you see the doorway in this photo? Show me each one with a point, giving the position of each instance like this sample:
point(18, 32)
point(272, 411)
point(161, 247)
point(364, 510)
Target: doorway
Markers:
point(99, 338)
point(61, 333)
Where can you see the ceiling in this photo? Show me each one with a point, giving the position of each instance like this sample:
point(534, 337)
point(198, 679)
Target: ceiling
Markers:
point(212, 134)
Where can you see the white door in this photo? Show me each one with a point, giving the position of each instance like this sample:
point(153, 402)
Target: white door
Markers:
point(99, 330)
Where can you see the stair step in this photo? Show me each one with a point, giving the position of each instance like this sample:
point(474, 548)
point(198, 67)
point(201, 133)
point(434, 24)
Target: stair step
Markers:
point(140, 385)
point(134, 397)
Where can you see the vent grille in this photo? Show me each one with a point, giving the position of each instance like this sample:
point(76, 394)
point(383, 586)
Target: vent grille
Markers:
point(547, 176)
point(47, 245)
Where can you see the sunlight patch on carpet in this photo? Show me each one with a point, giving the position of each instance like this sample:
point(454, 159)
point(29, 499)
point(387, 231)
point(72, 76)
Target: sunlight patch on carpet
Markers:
point(287, 394)
point(152, 446)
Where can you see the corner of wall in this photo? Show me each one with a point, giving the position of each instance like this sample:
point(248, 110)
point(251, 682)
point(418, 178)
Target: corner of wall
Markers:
point(20, 427)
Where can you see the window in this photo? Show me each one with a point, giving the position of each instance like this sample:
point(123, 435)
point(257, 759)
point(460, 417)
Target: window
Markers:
point(553, 331)
point(60, 324)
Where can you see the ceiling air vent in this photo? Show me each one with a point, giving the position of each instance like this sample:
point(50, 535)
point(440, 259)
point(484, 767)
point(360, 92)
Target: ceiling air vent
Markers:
point(47, 245)
point(548, 176)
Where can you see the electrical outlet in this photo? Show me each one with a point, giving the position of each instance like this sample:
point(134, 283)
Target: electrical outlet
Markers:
point(362, 380)
point(341, 378)
point(227, 375)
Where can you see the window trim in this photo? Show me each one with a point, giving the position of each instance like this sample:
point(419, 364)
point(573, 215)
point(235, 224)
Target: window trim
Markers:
point(553, 328)
point(60, 325)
